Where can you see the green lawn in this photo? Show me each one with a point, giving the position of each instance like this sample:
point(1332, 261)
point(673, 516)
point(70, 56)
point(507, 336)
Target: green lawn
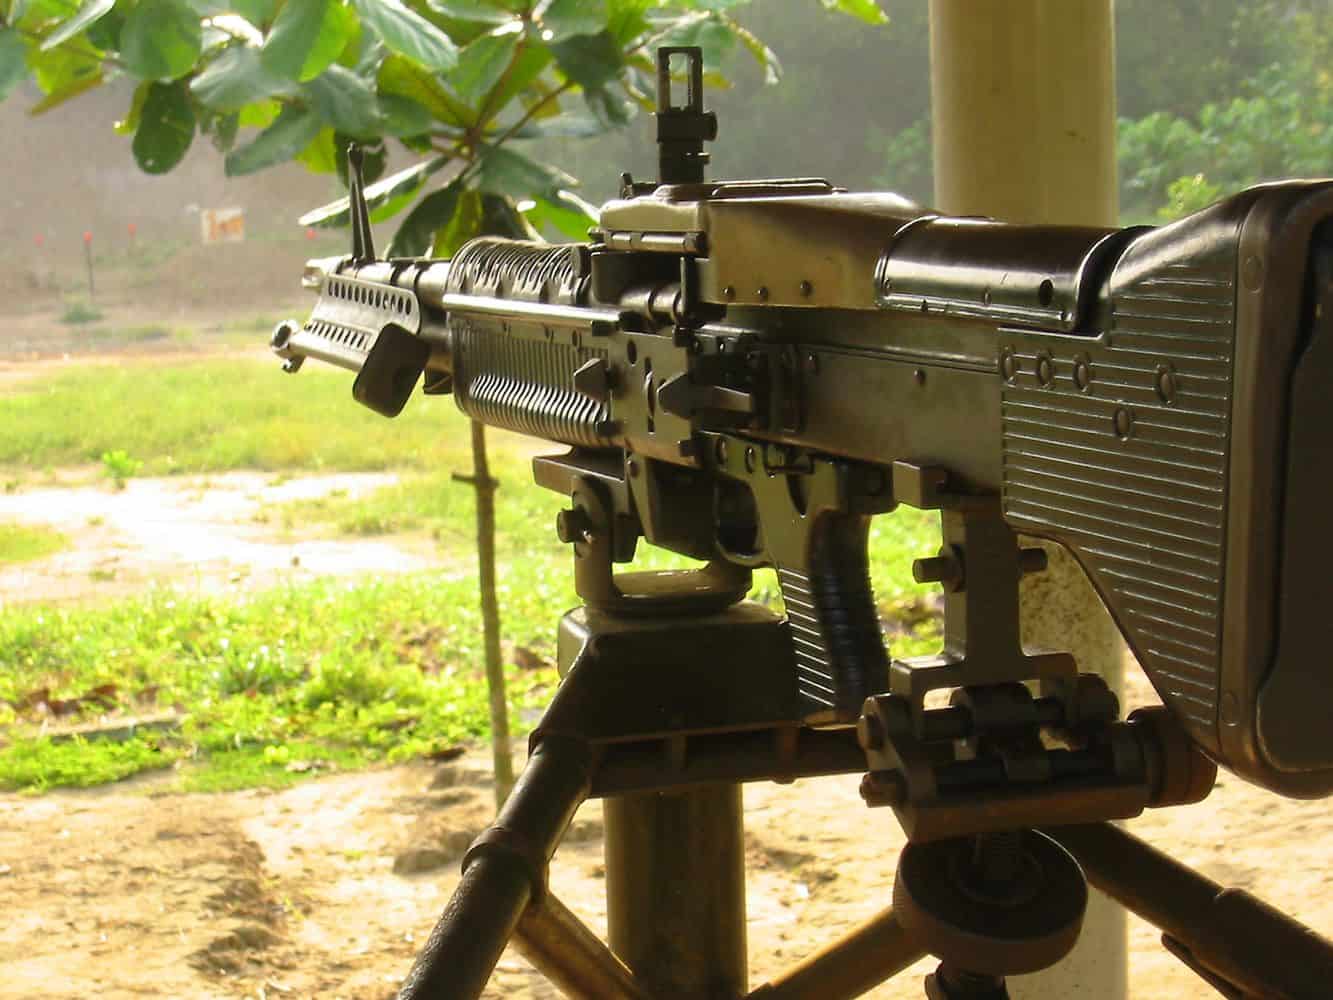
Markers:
point(215, 414)
point(22, 543)
point(280, 685)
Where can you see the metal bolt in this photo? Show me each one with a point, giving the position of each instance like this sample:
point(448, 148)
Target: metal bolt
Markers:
point(1124, 423)
point(883, 788)
point(1082, 374)
point(807, 289)
point(937, 569)
point(1008, 364)
point(761, 293)
point(573, 525)
point(812, 364)
point(870, 732)
point(720, 451)
point(633, 467)
point(729, 293)
point(919, 376)
point(750, 458)
point(1166, 384)
point(1045, 370)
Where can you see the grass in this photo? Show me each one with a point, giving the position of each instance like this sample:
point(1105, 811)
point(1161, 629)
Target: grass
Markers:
point(216, 414)
point(293, 681)
point(23, 543)
point(314, 676)
point(77, 313)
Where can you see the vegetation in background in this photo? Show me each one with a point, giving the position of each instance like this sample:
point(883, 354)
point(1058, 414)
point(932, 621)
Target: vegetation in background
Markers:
point(291, 682)
point(459, 84)
point(77, 313)
point(23, 543)
point(119, 467)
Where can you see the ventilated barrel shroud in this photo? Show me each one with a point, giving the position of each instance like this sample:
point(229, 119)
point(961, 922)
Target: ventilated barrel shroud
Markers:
point(519, 374)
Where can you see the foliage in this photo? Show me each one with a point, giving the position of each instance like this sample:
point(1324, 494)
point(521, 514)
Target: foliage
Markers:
point(1187, 195)
point(23, 542)
point(120, 467)
point(1278, 124)
point(460, 84)
point(215, 414)
point(77, 313)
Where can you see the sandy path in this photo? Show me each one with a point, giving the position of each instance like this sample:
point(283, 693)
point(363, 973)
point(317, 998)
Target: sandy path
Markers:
point(293, 894)
point(200, 533)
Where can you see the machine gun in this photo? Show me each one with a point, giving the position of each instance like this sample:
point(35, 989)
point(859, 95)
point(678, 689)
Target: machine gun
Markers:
point(747, 373)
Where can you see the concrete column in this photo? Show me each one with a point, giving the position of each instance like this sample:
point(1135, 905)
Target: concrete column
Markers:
point(1023, 95)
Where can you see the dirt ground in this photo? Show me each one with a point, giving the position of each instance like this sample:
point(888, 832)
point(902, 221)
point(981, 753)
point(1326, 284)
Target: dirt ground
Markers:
point(116, 893)
point(327, 889)
point(202, 533)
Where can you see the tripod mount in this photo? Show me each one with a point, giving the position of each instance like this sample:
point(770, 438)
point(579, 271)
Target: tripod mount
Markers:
point(676, 690)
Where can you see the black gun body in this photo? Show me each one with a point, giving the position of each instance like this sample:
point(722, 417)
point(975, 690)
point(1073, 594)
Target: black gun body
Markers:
point(1157, 401)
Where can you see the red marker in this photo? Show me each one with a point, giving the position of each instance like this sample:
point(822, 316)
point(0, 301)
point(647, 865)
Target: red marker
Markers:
point(87, 236)
point(134, 229)
point(40, 240)
point(310, 234)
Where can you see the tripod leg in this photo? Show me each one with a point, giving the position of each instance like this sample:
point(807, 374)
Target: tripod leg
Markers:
point(675, 890)
point(1227, 934)
point(503, 870)
point(855, 964)
point(571, 956)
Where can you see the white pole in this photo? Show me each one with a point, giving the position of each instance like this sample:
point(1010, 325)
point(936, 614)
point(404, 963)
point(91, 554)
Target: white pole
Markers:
point(1023, 95)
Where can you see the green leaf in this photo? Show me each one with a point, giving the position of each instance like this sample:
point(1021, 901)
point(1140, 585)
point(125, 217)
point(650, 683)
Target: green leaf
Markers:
point(63, 69)
point(465, 224)
point(224, 130)
point(257, 12)
point(236, 78)
point(627, 19)
point(566, 18)
point(166, 128)
point(416, 233)
point(161, 40)
point(763, 55)
point(611, 110)
point(91, 12)
point(374, 158)
point(260, 115)
point(864, 10)
point(294, 129)
point(321, 156)
point(500, 217)
point(395, 186)
point(13, 66)
point(403, 116)
point(130, 123)
point(345, 101)
point(104, 33)
point(564, 212)
point(471, 11)
point(403, 78)
point(527, 67)
point(481, 64)
point(308, 37)
point(409, 34)
point(591, 61)
point(77, 86)
point(505, 171)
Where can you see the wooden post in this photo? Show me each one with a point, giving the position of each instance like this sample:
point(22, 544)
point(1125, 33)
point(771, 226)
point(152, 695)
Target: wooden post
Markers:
point(490, 614)
point(1023, 95)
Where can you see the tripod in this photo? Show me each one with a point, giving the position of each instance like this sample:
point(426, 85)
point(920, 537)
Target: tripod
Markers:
point(675, 691)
